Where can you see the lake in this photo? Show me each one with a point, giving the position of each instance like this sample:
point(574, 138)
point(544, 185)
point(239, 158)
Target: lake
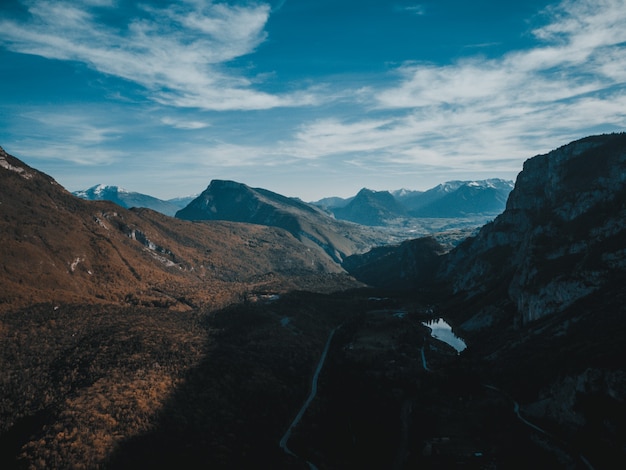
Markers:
point(443, 332)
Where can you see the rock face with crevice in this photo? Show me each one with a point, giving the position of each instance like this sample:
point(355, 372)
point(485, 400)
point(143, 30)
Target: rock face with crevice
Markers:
point(561, 238)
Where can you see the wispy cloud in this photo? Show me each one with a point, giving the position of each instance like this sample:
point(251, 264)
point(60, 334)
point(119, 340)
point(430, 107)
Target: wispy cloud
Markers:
point(184, 123)
point(70, 134)
point(416, 9)
point(178, 53)
point(480, 112)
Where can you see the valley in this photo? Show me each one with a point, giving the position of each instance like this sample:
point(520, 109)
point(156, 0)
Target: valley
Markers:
point(281, 337)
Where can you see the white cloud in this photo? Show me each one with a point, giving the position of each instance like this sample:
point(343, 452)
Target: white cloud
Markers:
point(489, 113)
point(416, 9)
point(178, 53)
point(184, 123)
point(227, 155)
point(69, 134)
point(578, 55)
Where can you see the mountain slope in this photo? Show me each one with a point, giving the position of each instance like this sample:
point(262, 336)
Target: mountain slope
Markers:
point(460, 198)
point(409, 265)
point(56, 247)
point(372, 208)
point(232, 201)
point(127, 199)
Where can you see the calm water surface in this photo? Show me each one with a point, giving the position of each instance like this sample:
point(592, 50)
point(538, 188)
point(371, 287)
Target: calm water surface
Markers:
point(443, 332)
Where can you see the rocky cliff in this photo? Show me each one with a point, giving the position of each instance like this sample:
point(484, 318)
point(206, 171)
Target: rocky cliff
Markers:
point(561, 237)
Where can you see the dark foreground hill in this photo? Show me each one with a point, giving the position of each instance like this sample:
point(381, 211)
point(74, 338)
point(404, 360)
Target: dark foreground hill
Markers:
point(104, 310)
point(539, 295)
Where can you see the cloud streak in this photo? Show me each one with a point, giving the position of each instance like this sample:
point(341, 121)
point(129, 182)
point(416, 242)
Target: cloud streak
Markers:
point(478, 110)
point(180, 53)
point(477, 114)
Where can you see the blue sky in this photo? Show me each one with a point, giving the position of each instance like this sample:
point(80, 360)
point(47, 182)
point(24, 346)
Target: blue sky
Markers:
point(308, 98)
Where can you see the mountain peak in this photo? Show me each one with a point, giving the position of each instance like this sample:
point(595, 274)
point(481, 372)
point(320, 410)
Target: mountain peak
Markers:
point(125, 198)
point(371, 208)
point(226, 184)
point(237, 202)
point(100, 191)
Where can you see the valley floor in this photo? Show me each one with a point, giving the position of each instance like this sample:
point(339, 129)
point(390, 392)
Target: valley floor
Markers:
point(110, 387)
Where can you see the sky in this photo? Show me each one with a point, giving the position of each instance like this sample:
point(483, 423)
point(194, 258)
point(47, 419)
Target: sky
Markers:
point(306, 98)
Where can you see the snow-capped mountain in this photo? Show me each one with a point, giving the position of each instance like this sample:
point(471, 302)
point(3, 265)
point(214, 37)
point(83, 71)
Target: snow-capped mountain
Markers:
point(461, 198)
point(130, 199)
point(453, 199)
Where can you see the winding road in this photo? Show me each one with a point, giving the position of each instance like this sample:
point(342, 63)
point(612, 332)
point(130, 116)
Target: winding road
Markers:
point(516, 410)
point(424, 363)
point(296, 420)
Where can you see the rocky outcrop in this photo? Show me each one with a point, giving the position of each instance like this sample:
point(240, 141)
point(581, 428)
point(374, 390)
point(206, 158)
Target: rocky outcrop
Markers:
point(561, 237)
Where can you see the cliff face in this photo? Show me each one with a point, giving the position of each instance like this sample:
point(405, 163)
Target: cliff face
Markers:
point(561, 237)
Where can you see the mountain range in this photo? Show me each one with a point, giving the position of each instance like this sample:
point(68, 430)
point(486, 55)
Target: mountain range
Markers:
point(133, 338)
point(236, 202)
point(59, 248)
point(129, 199)
point(454, 199)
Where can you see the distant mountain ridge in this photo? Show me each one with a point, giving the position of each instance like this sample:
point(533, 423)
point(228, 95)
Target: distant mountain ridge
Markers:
point(453, 199)
point(130, 199)
point(372, 208)
point(460, 198)
point(237, 202)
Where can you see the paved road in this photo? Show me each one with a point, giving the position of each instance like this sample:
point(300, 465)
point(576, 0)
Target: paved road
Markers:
point(294, 423)
point(424, 363)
